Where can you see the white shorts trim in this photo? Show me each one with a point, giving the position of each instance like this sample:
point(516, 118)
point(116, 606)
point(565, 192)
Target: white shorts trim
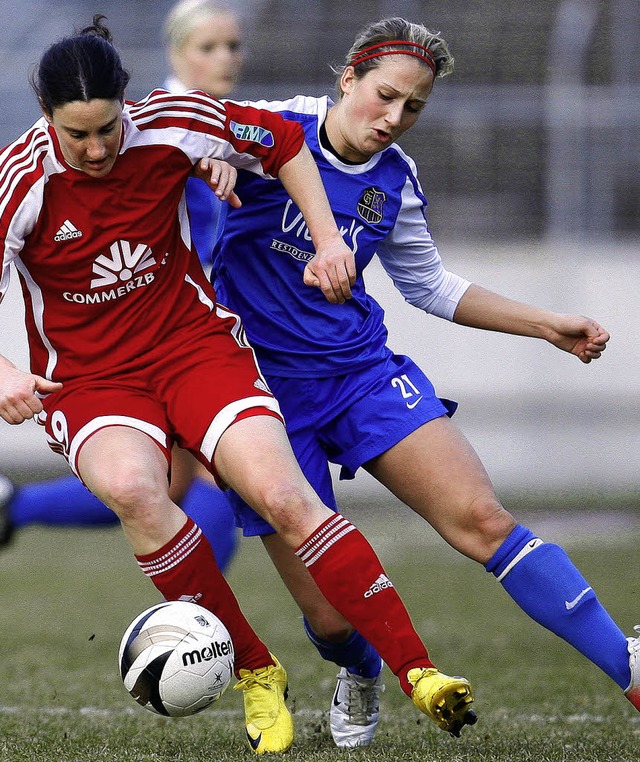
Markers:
point(102, 422)
point(227, 416)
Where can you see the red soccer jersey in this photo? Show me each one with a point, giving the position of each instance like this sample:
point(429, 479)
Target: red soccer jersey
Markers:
point(106, 264)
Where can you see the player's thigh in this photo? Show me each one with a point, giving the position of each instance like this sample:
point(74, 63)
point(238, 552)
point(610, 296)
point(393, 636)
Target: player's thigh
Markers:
point(184, 468)
point(255, 459)
point(124, 467)
point(302, 401)
point(438, 474)
point(312, 459)
point(73, 415)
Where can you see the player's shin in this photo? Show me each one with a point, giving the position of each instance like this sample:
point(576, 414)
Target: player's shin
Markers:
point(544, 582)
point(352, 579)
point(185, 569)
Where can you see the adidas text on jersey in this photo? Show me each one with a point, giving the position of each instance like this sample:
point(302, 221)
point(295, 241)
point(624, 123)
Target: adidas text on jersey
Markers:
point(67, 231)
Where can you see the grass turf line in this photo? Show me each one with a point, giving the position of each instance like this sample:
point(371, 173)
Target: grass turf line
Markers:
point(68, 595)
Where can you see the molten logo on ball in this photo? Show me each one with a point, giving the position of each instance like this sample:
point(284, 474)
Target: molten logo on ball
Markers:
point(213, 651)
point(176, 658)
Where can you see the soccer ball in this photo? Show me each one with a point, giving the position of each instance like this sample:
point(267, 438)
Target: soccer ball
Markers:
point(176, 658)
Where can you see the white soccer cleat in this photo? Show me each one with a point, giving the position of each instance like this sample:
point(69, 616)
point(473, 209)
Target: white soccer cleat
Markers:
point(633, 691)
point(355, 709)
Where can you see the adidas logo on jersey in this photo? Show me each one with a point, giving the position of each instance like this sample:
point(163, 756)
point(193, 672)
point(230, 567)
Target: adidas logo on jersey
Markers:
point(67, 231)
point(379, 585)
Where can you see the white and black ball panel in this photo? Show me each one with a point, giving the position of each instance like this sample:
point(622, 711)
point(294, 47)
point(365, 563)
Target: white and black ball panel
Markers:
point(176, 658)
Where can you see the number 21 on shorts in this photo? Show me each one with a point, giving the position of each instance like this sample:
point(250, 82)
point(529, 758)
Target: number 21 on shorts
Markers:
point(410, 393)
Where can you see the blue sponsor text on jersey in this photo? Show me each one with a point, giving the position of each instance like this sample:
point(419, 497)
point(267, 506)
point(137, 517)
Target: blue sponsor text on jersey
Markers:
point(252, 133)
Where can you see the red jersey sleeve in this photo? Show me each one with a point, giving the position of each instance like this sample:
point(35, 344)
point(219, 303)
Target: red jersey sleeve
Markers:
point(244, 136)
point(264, 134)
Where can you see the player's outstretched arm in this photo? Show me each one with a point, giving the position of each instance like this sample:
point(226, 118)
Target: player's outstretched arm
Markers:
point(576, 334)
point(18, 400)
point(333, 268)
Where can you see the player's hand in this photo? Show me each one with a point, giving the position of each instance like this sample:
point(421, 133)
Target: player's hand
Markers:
point(220, 177)
point(18, 400)
point(333, 270)
point(580, 336)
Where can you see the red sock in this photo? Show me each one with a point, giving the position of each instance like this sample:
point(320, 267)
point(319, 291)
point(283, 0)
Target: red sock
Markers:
point(185, 569)
point(347, 570)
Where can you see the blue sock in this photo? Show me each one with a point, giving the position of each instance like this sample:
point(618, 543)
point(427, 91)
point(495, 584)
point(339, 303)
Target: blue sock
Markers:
point(209, 508)
point(355, 653)
point(542, 580)
point(64, 501)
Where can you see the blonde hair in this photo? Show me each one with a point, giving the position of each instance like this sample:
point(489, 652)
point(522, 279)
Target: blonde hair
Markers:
point(187, 15)
point(391, 30)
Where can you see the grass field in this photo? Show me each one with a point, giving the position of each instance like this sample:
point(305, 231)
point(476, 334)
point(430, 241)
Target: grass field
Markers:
point(68, 595)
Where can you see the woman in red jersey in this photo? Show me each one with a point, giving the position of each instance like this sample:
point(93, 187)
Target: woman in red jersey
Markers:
point(130, 352)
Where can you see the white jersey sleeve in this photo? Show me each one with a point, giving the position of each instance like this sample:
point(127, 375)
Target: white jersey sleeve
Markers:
point(412, 261)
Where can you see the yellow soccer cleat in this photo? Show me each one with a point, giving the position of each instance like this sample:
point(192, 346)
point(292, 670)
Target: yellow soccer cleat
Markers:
point(269, 724)
point(447, 700)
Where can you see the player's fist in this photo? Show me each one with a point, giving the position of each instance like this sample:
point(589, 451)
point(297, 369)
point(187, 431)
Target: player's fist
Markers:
point(332, 270)
point(18, 393)
point(581, 336)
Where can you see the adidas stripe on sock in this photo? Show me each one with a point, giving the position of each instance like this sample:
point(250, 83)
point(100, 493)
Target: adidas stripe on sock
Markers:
point(352, 579)
point(185, 569)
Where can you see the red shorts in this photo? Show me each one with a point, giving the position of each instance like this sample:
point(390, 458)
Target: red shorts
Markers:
point(189, 393)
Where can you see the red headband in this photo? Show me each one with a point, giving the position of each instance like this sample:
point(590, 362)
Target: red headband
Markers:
point(366, 54)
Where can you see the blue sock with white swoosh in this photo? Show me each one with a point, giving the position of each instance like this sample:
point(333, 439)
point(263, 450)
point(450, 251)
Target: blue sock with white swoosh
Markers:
point(543, 581)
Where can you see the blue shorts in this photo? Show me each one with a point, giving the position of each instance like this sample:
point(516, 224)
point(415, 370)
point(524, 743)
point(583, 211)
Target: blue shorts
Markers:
point(348, 420)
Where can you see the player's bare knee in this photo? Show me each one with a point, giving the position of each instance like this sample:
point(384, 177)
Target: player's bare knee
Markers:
point(489, 522)
point(287, 508)
point(133, 495)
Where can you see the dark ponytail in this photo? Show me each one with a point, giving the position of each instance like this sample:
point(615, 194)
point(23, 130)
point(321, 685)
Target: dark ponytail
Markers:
point(81, 67)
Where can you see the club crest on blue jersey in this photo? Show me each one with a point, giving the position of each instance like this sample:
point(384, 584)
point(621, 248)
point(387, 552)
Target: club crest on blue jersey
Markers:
point(370, 205)
point(252, 133)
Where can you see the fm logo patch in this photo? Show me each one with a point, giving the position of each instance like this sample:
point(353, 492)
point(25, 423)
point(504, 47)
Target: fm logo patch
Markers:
point(252, 133)
point(370, 205)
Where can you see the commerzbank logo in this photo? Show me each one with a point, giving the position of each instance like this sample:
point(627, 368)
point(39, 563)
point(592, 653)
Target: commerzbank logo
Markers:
point(124, 269)
point(122, 264)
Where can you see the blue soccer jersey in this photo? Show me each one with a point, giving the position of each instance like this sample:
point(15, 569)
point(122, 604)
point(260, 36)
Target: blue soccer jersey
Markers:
point(260, 258)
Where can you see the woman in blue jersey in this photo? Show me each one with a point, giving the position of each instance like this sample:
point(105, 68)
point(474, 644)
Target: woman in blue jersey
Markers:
point(348, 399)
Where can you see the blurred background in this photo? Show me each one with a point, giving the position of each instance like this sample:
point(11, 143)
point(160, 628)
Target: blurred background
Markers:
point(529, 157)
